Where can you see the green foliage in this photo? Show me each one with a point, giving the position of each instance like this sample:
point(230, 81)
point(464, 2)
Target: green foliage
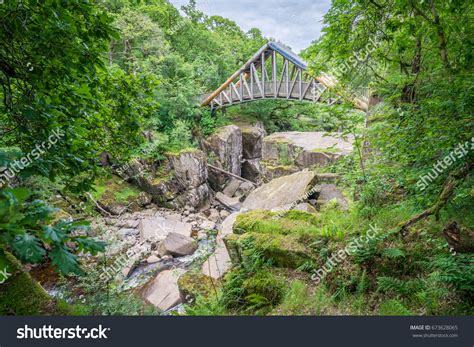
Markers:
point(29, 232)
point(393, 307)
point(105, 298)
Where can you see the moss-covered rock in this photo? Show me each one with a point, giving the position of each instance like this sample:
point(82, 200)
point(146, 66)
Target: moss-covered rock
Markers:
point(21, 295)
point(283, 250)
point(194, 284)
point(263, 285)
point(114, 195)
point(266, 222)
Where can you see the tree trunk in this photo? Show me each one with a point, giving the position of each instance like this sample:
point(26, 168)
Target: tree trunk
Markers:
point(459, 238)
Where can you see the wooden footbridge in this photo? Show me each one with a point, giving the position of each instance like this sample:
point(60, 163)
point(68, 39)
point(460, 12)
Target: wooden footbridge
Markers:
point(275, 72)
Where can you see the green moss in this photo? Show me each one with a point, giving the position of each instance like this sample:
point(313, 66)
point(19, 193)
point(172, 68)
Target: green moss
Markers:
point(21, 295)
point(290, 222)
point(180, 151)
point(325, 150)
point(161, 179)
point(283, 250)
point(114, 190)
point(263, 285)
point(194, 284)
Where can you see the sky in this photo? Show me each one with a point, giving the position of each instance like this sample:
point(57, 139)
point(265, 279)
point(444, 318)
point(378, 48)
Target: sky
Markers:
point(296, 23)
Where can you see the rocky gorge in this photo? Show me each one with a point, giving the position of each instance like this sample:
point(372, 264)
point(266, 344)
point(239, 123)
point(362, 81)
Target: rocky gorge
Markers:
point(176, 231)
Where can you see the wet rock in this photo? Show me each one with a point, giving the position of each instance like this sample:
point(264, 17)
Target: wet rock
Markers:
point(177, 245)
point(231, 203)
point(163, 291)
point(280, 191)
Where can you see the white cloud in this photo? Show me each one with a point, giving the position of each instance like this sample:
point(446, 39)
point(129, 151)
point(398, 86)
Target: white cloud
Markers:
point(295, 23)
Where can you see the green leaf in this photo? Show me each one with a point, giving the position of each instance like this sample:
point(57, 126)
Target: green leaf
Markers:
point(28, 248)
point(64, 260)
point(86, 244)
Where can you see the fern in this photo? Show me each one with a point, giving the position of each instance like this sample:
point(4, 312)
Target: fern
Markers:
point(393, 253)
point(394, 307)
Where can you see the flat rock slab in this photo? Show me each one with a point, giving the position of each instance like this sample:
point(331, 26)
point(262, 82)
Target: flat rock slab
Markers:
point(219, 262)
point(311, 141)
point(157, 228)
point(280, 191)
point(163, 291)
point(231, 203)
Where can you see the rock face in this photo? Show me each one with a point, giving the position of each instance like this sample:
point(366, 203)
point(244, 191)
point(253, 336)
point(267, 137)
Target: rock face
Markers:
point(252, 169)
point(219, 262)
point(281, 191)
point(181, 179)
point(224, 147)
point(177, 245)
point(190, 167)
point(286, 152)
point(163, 291)
point(252, 141)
